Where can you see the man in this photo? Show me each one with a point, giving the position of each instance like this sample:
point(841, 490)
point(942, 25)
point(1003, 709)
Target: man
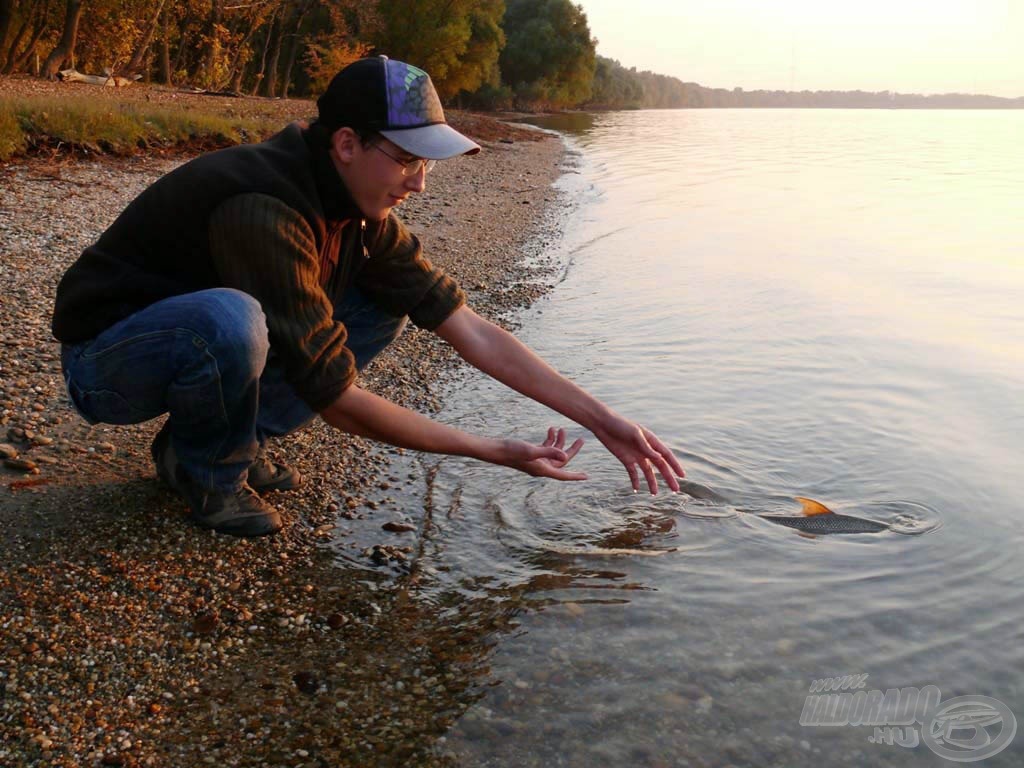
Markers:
point(242, 292)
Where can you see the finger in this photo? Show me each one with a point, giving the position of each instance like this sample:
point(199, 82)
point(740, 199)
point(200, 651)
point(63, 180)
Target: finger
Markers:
point(574, 449)
point(661, 448)
point(551, 437)
point(634, 478)
point(546, 470)
point(560, 442)
point(547, 452)
point(667, 473)
point(652, 480)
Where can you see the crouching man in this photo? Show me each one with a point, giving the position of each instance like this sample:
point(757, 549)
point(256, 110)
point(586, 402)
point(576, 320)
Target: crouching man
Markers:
point(242, 292)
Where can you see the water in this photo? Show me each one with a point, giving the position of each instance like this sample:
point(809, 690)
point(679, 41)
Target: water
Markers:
point(817, 303)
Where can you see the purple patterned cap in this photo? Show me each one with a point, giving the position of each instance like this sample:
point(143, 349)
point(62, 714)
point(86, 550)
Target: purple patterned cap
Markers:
point(398, 101)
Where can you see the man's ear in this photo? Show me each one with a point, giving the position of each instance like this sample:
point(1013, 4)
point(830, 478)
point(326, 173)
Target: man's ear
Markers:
point(343, 142)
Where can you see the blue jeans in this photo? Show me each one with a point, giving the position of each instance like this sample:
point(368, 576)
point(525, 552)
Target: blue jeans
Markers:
point(205, 359)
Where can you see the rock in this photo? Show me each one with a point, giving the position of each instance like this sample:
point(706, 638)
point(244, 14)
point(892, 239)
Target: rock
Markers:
point(574, 609)
point(396, 527)
point(206, 623)
point(306, 682)
point(8, 451)
point(337, 620)
point(25, 465)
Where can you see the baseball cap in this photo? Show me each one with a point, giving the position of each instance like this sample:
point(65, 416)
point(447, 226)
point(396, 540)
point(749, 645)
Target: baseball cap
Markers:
point(398, 101)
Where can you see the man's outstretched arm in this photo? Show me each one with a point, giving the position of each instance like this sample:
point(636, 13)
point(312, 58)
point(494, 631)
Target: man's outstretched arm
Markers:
point(501, 355)
point(368, 415)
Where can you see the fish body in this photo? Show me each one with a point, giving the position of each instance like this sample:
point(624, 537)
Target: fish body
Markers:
point(830, 523)
point(815, 518)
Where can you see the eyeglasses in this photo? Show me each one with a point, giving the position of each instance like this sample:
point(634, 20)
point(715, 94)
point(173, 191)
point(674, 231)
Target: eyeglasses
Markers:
point(410, 167)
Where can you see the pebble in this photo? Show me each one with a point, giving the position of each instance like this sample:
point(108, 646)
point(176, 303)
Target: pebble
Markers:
point(574, 609)
point(25, 465)
point(8, 451)
point(306, 682)
point(396, 527)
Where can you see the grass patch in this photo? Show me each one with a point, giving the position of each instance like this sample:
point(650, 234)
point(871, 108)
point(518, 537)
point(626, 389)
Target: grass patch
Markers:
point(77, 123)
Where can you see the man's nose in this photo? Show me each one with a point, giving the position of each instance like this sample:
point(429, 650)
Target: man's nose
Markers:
point(417, 182)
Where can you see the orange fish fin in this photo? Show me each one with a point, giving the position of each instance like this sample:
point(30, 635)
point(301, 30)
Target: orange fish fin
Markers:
point(812, 507)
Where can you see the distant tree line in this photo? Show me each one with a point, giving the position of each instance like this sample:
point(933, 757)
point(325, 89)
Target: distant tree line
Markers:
point(492, 54)
point(616, 87)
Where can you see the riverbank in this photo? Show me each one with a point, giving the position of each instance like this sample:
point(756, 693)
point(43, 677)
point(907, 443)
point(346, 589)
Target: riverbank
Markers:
point(129, 636)
point(43, 118)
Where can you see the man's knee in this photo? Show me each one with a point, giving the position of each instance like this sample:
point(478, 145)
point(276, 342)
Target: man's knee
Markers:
point(233, 323)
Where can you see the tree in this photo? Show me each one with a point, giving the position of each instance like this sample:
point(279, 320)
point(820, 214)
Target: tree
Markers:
point(66, 46)
point(549, 57)
point(135, 63)
point(33, 20)
point(456, 41)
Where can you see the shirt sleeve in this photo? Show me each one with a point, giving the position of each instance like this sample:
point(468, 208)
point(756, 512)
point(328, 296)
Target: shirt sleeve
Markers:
point(263, 247)
point(398, 278)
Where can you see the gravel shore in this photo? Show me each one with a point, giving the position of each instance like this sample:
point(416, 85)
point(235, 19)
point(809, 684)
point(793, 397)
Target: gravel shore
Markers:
point(130, 637)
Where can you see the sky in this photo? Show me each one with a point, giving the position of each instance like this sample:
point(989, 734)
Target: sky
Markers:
point(908, 46)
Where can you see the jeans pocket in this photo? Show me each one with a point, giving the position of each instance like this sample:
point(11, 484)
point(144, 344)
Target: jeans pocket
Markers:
point(104, 406)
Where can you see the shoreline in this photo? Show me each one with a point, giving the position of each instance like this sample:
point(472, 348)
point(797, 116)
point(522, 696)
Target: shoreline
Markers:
point(131, 637)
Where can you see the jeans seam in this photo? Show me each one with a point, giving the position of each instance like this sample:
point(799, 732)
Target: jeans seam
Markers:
point(142, 336)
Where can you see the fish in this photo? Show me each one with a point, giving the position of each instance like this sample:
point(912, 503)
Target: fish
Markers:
point(815, 518)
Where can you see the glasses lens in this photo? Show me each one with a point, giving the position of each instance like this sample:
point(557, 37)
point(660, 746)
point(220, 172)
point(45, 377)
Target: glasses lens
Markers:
point(413, 168)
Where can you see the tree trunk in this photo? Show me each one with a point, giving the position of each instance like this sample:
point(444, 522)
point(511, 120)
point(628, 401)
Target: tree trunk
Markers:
point(179, 59)
point(63, 50)
point(6, 14)
point(293, 49)
point(165, 52)
point(15, 62)
point(208, 60)
point(275, 58)
point(238, 69)
point(12, 52)
point(139, 56)
point(263, 59)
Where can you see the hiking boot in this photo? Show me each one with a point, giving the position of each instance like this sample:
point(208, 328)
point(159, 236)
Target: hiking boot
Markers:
point(238, 513)
point(266, 475)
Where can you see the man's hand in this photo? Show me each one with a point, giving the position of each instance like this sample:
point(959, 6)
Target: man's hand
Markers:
point(639, 450)
point(535, 460)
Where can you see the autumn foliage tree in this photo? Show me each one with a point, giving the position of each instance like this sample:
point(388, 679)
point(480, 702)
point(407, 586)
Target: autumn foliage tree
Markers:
point(540, 51)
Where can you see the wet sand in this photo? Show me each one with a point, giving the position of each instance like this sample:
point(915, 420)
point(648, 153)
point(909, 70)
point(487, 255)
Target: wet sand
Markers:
point(128, 636)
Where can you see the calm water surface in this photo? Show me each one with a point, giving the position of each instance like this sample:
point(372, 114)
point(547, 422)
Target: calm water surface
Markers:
point(816, 303)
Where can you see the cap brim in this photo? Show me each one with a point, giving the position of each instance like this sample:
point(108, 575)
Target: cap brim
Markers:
point(433, 142)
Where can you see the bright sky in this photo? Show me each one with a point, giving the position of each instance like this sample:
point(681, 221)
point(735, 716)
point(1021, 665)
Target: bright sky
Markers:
point(909, 46)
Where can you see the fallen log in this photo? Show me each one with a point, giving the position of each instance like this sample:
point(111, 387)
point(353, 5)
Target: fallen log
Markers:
point(108, 80)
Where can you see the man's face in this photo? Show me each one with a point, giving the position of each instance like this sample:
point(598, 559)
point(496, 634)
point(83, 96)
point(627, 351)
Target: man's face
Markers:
point(373, 172)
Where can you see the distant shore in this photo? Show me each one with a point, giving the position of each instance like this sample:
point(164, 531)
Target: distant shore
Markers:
point(129, 636)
